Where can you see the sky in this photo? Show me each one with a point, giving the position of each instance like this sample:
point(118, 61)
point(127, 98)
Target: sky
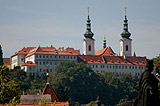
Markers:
point(62, 23)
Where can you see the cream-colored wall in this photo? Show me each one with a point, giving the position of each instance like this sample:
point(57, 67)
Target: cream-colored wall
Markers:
point(123, 43)
point(135, 69)
point(18, 60)
point(86, 43)
point(49, 62)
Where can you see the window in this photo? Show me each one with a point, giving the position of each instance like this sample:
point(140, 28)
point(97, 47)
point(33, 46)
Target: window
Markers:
point(133, 67)
point(22, 59)
point(126, 47)
point(50, 70)
point(89, 47)
point(113, 66)
point(40, 70)
point(43, 56)
point(40, 56)
point(40, 63)
point(43, 63)
point(50, 56)
point(119, 67)
point(46, 56)
point(102, 66)
point(96, 66)
point(126, 67)
point(50, 63)
point(122, 67)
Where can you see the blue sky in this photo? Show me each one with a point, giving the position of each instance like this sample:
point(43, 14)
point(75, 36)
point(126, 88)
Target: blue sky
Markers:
point(62, 23)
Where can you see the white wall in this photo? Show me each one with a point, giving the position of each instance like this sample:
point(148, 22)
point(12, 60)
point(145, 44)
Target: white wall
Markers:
point(86, 43)
point(119, 69)
point(123, 43)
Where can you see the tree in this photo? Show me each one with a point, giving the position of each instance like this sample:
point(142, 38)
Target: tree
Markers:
point(156, 62)
point(9, 89)
point(81, 84)
point(1, 56)
point(74, 79)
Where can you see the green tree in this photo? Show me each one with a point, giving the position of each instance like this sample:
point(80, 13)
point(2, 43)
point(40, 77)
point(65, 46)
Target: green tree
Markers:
point(75, 79)
point(1, 56)
point(9, 89)
point(81, 84)
point(156, 61)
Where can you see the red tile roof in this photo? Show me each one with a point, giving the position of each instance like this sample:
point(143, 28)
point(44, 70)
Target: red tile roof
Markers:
point(91, 59)
point(116, 60)
point(52, 50)
point(37, 104)
point(105, 52)
point(29, 63)
point(128, 60)
point(49, 90)
point(23, 51)
point(137, 60)
point(46, 50)
point(7, 61)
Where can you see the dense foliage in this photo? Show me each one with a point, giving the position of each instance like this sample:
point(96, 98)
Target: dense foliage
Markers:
point(1, 56)
point(79, 83)
point(156, 61)
point(9, 89)
point(30, 84)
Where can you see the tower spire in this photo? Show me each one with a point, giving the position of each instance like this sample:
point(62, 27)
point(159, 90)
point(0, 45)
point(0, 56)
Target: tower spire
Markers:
point(126, 41)
point(88, 33)
point(125, 12)
point(104, 42)
point(88, 42)
point(125, 33)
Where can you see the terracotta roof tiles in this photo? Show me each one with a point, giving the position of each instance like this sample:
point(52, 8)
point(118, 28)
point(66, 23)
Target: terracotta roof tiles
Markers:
point(105, 52)
point(129, 60)
point(49, 90)
point(37, 104)
point(29, 63)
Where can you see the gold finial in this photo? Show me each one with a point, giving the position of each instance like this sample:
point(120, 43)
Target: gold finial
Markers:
point(47, 78)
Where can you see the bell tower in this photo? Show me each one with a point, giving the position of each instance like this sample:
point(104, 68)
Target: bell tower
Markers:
point(88, 42)
point(125, 41)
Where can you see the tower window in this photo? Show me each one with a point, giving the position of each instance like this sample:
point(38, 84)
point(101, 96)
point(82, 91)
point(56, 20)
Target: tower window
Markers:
point(126, 47)
point(89, 47)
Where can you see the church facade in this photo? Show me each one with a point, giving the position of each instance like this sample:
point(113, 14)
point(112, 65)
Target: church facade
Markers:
point(45, 59)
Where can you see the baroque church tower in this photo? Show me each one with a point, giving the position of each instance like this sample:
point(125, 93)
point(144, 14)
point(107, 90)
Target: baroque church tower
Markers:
point(125, 41)
point(88, 42)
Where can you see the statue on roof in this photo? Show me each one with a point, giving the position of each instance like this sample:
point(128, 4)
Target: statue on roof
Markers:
point(148, 88)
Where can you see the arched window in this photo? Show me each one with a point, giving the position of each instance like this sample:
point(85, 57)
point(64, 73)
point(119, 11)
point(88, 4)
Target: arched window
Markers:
point(89, 47)
point(126, 47)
